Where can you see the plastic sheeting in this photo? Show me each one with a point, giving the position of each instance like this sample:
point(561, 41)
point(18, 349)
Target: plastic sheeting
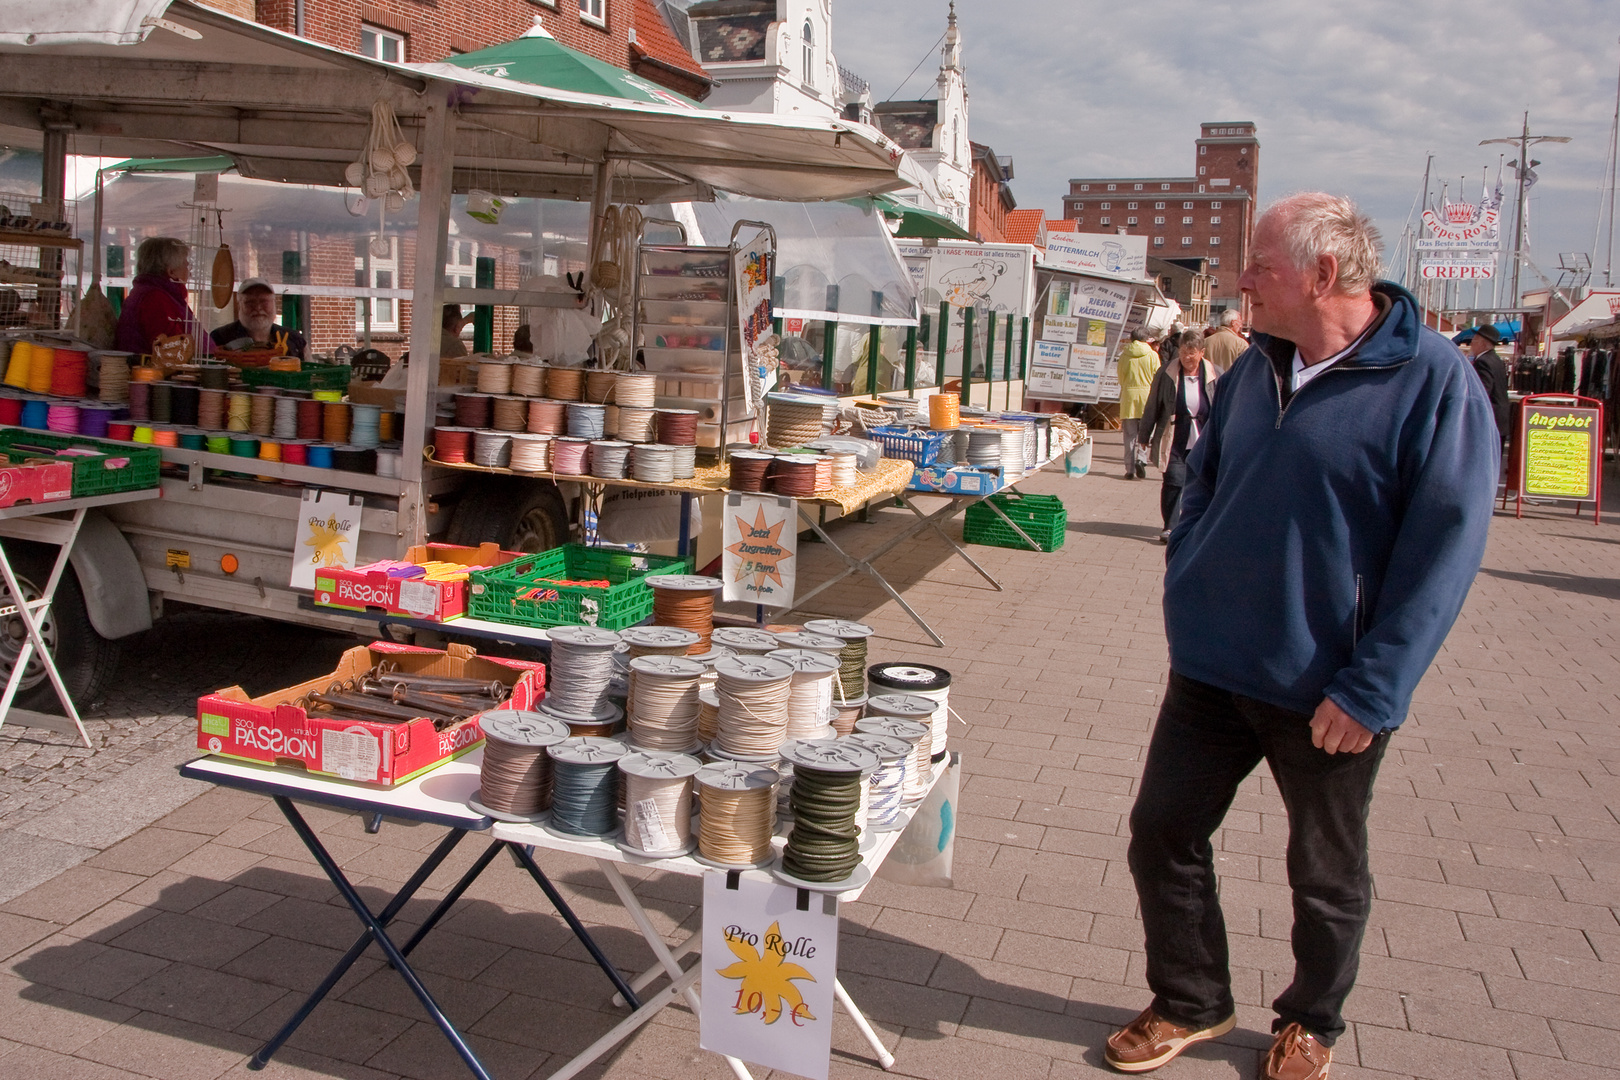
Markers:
point(834, 261)
point(79, 22)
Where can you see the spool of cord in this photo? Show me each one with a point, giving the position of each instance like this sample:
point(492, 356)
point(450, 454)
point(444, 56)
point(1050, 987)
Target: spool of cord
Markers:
point(531, 453)
point(309, 418)
point(492, 449)
point(677, 427)
point(69, 372)
point(585, 420)
point(924, 680)
point(739, 814)
point(844, 472)
point(581, 670)
point(114, 371)
point(242, 446)
point(653, 463)
point(41, 361)
point(656, 641)
point(355, 459)
point(708, 719)
point(686, 601)
point(285, 423)
point(745, 640)
point(495, 377)
point(599, 385)
point(846, 712)
point(296, 452)
point(10, 409)
point(210, 408)
point(510, 413)
point(944, 411)
point(36, 413)
point(609, 459)
point(162, 402)
point(564, 383)
point(851, 658)
point(209, 376)
point(515, 778)
point(792, 420)
point(140, 403)
point(190, 438)
point(571, 457)
point(585, 786)
point(451, 445)
point(261, 412)
point(916, 734)
point(663, 705)
point(62, 418)
point(685, 462)
point(184, 402)
point(216, 444)
point(17, 364)
point(474, 410)
point(366, 422)
point(238, 414)
point(528, 379)
point(748, 470)
point(824, 845)
point(636, 424)
point(794, 475)
point(93, 420)
point(635, 389)
point(657, 802)
point(335, 422)
point(754, 693)
point(809, 708)
point(548, 417)
point(321, 456)
point(885, 788)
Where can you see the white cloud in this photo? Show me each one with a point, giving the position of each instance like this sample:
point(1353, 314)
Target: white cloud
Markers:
point(1348, 97)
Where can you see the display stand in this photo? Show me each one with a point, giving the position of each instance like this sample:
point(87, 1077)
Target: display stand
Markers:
point(38, 522)
point(437, 798)
point(955, 504)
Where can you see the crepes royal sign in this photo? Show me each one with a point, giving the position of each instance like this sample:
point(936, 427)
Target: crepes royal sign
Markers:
point(1464, 224)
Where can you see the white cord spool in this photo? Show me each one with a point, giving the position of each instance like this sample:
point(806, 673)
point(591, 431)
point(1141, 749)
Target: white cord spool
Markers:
point(886, 785)
point(925, 680)
point(753, 693)
point(739, 815)
point(895, 723)
point(708, 720)
point(663, 705)
point(658, 803)
point(531, 453)
point(810, 701)
point(745, 640)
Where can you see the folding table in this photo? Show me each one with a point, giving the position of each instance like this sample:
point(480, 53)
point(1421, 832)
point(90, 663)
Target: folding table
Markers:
point(436, 798)
point(955, 503)
point(43, 523)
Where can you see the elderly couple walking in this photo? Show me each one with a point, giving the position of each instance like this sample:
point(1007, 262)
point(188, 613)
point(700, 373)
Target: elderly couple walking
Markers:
point(1338, 490)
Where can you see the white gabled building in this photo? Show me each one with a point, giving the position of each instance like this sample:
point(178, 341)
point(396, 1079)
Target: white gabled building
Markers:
point(934, 131)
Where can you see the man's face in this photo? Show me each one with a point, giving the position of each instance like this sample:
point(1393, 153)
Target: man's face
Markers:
point(1478, 346)
point(1281, 299)
point(257, 310)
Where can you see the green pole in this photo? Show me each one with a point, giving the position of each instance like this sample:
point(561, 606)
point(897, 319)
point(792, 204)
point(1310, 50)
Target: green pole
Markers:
point(1023, 352)
point(990, 358)
point(1006, 363)
point(967, 356)
point(829, 343)
point(872, 353)
point(115, 268)
point(944, 340)
point(292, 273)
point(911, 354)
point(484, 314)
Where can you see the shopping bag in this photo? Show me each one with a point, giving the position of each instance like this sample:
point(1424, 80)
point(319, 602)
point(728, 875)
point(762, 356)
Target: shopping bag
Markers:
point(1077, 462)
point(922, 855)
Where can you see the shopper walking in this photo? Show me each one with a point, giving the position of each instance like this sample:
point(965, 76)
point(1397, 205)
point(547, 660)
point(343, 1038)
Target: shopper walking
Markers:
point(1138, 363)
point(1178, 402)
point(1492, 373)
point(1227, 343)
point(1334, 518)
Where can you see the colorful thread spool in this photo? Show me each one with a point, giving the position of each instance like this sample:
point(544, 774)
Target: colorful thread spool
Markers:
point(335, 422)
point(141, 434)
point(41, 362)
point(35, 414)
point(68, 372)
point(217, 444)
point(10, 410)
point(309, 418)
point(62, 418)
point(295, 452)
point(239, 415)
point(185, 404)
point(367, 421)
point(452, 444)
point(17, 367)
point(122, 430)
point(94, 420)
point(262, 415)
point(320, 456)
point(140, 401)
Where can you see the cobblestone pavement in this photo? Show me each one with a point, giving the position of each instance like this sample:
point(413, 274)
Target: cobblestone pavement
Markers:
point(1493, 949)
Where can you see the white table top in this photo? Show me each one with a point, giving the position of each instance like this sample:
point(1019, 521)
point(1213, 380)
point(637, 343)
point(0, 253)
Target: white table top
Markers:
point(62, 506)
point(438, 797)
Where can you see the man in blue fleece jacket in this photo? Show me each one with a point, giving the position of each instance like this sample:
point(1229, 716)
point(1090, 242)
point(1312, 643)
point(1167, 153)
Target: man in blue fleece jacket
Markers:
point(1334, 517)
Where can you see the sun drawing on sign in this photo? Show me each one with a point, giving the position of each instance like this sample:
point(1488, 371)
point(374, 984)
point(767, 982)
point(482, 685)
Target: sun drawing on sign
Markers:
point(767, 980)
point(328, 541)
point(757, 550)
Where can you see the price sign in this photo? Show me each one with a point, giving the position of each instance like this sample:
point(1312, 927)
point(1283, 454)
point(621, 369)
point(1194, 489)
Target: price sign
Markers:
point(760, 543)
point(770, 958)
point(328, 533)
point(1560, 448)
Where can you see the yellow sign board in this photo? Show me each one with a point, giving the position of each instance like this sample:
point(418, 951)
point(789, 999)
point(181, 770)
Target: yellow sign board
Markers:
point(1560, 450)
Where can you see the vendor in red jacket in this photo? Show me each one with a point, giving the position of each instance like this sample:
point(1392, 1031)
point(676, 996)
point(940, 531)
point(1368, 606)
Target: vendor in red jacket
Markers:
point(157, 306)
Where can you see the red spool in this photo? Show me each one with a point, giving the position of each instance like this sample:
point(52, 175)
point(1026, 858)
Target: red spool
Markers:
point(310, 419)
point(67, 373)
point(10, 410)
point(450, 445)
point(294, 453)
point(123, 430)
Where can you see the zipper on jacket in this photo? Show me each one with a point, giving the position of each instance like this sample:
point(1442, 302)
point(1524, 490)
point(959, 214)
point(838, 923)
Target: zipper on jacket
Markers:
point(1356, 624)
point(1282, 410)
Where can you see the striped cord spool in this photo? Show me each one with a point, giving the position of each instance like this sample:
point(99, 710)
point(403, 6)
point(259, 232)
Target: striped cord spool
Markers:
point(924, 680)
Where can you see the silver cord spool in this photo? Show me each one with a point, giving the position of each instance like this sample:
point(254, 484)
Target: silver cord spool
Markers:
point(653, 463)
point(585, 420)
point(658, 802)
point(663, 704)
point(609, 459)
point(821, 643)
point(581, 668)
point(492, 449)
point(886, 786)
point(925, 680)
point(531, 453)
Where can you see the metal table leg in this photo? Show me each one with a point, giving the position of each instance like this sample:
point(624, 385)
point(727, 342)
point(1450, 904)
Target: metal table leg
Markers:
point(852, 564)
point(380, 936)
point(525, 856)
point(32, 614)
point(939, 517)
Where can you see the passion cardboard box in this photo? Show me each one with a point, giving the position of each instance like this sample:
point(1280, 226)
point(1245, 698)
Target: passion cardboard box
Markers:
point(363, 589)
point(957, 479)
point(35, 482)
point(272, 730)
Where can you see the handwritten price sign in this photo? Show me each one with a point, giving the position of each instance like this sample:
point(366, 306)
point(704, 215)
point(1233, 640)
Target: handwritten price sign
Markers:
point(768, 973)
point(760, 545)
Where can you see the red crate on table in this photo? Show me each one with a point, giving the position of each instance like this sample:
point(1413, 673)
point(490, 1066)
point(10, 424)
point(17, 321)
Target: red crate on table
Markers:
point(366, 589)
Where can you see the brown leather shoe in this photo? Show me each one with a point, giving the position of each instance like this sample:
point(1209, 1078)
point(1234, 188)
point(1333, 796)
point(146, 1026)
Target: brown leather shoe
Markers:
point(1150, 1041)
point(1296, 1055)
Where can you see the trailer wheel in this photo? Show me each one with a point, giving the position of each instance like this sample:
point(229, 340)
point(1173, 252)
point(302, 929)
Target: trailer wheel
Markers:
point(86, 660)
point(519, 517)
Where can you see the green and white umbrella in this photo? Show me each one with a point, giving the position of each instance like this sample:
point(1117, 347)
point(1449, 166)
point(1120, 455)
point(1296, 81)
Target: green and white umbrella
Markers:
point(539, 59)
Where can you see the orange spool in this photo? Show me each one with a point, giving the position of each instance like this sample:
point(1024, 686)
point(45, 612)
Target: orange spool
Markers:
point(944, 412)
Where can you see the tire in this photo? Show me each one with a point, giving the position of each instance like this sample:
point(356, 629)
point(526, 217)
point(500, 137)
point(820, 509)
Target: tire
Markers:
point(518, 516)
point(85, 659)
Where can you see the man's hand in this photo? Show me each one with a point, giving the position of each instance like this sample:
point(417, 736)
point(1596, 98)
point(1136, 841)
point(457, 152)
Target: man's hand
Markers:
point(1334, 730)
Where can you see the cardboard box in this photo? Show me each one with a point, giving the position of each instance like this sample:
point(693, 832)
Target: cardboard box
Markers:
point(274, 731)
point(957, 479)
point(35, 482)
point(367, 589)
point(369, 393)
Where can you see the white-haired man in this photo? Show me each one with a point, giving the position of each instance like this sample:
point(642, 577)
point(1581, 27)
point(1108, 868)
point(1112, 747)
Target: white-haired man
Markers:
point(255, 326)
point(1227, 343)
point(1334, 517)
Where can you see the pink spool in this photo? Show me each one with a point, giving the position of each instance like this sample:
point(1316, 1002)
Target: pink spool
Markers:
point(570, 456)
point(63, 418)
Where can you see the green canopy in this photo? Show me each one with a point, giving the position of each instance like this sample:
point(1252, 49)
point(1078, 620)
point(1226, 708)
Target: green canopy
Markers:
point(539, 59)
point(217, 163)
point(917, 223)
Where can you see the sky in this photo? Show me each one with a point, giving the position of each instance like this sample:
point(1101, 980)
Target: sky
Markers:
point(1348, 97)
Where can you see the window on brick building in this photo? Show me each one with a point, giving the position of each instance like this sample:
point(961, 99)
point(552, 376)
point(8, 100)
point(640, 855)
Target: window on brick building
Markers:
point(1079, 206)
point(1202, 150)
point(1159, 220)
point(1164, 187)
point(1085, 187)
point(1079, 221)
point(376, 272)
point(1186, 241)
point(1214, 241)
point(1215, 205)
point(1186, 206)
point(380, 44)
point(460, 264)
point(1158, 206)
point(1186, 221)
point(1201, 170)
point(1130, 221)
point(1130, 206)
point(1106, 205)
point(1111, 187)
point(1216, 261)
point(1158, 241)
point(1138, 187)
point(593, 11)
point(1103, 221)
point(1215, 220)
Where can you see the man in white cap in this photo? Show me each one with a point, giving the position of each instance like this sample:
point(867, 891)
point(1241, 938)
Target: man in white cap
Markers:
point(255, 325)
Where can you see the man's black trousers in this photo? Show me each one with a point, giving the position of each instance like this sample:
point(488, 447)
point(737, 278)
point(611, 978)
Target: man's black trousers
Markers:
point(1205, 743)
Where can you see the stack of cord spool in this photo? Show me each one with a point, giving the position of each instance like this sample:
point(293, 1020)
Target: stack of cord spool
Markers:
point(652, 463)
point(610, 459)
point(686, 601)
point(886, 785)
point(531, 453)
point(515, 776)
point(810, 701)
point(494, 377)
point(851, 657)
point(635, 389)
point(984, 447)
point(828, 780)
point(548, 417)
point(570, 456)
point(793, 475)
point(923, 680)
point(662, 708)
point(581, 673)
point(599, 385)
point(528, 379)
point(636, 423)
point(658, 798)
point(564, 383)
point(916, 736)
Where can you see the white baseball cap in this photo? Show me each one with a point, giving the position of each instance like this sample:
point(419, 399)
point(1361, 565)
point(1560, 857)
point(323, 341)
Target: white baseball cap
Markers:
point(255, 283)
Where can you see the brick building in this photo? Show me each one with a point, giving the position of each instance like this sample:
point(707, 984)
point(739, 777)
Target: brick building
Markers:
point(990, 197)
point(1209, 215)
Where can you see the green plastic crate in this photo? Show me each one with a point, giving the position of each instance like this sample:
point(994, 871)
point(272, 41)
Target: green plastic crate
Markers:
point(1043, 517)
point(117, 466)
point(497, 593)
point(312, 377)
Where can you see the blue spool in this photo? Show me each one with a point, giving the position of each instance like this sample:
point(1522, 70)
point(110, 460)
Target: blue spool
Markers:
point(585, 785)
point(585, 420)
point(35, 413)
point(320, 455)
